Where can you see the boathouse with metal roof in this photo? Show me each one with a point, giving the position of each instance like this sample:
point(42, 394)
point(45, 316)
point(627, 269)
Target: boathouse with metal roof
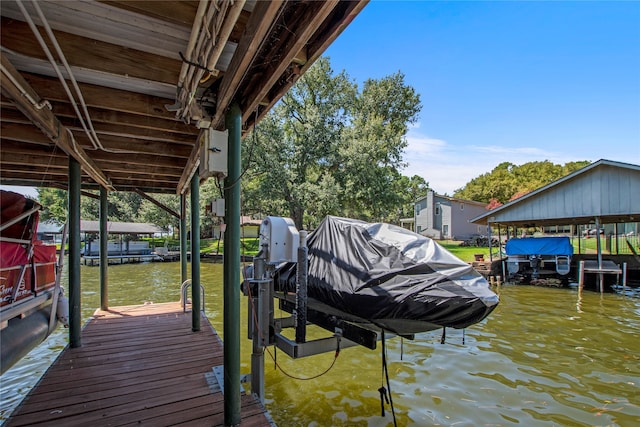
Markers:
point(603, 193)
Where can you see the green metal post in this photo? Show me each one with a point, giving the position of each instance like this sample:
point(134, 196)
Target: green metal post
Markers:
point(104, 261)
point(195, 253)
point(231, 270)
point(75, 315)
point(183, 238)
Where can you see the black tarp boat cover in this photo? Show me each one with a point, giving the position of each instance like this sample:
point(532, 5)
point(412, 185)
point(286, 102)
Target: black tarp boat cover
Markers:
point(394, 278)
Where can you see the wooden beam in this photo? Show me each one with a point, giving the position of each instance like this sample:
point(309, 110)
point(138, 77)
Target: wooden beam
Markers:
point(103, 97)
point(116, 144)
point(260, 22)
point(92, 54)
point(164, 10)
point(309, 16)
point(102, 158)
point(191, 167)
point(82, 192)
point(101, 115)
point(333, 26)
point(157, 203)
point(15, 88)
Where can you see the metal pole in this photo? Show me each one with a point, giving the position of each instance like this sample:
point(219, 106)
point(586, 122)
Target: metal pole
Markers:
point(183, 238)
point(490, 247)
point(75, 313)
point(195, 253)
point(599, 246)
point(232, 270)
point(257, 354)
point(301, 290)
point(104, 248)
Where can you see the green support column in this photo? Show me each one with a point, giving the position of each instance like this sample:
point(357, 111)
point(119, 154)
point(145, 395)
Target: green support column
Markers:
point(75, 315)
point(183, 238)
point(104, 241)
point(232, 271)
point(195, 253)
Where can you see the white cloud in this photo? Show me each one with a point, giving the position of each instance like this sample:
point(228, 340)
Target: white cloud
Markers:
point(447, 167)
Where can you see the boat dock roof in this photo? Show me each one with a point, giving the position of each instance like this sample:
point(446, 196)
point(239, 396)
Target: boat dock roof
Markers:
point(137, 365)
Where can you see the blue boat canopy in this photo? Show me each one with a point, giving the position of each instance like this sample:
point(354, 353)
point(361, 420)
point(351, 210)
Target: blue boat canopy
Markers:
point(540, 246)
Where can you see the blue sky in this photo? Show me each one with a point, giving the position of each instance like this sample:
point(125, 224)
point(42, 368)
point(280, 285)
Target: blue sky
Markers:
point(504, 81)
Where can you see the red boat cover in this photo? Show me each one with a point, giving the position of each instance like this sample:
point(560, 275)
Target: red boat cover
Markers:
point(40, 273)
point(44, 254)
point(12, 254)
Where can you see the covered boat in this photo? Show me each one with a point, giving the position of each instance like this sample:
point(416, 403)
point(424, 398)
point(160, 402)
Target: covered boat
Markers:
point(390, 277)
point(534, 257)
point(29, 286)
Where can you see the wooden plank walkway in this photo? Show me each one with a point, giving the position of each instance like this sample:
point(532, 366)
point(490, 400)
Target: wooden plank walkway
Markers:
point(138, 365)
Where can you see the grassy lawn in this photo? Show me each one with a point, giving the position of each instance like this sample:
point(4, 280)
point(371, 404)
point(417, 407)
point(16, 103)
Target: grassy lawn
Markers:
point(249, 246)
point(465, 253)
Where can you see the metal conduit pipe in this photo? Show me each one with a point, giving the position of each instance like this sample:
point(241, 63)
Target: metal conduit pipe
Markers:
point(83, 104)
point(195, 30)
point(185, 85)
point(224, 34)
point(38, 105)
point(47, 52)
point(213, 49)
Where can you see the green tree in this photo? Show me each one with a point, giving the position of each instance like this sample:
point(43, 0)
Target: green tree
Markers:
point(327, 148)
point(55, 203)
point(508, 180)
point(149, 212)
point(122, 206)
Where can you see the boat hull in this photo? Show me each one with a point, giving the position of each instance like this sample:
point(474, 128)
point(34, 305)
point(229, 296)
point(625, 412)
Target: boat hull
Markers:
point(22, 335)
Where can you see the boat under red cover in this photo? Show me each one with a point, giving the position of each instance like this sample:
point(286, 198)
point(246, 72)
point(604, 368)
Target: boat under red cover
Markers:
point(28, 284)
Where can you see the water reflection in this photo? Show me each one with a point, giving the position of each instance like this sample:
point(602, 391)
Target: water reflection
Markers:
point(544, 357)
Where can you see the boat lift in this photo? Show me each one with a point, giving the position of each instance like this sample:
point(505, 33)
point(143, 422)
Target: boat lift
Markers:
point(281, 242)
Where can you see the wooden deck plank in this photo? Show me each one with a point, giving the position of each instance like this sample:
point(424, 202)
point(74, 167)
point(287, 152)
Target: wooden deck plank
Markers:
point(138, 365)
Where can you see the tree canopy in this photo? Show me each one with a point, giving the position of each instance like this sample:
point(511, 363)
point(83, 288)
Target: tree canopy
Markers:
point(329, 148)
point(507, 181)
point(121, 206)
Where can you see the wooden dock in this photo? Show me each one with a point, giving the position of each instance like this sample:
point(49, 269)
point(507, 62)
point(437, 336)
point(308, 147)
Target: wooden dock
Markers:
point(138, 365)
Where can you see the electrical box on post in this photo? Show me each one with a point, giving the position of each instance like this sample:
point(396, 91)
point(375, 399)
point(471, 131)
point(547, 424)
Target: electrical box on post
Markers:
point(282, 239)
point(213, 154)
point(217, 207)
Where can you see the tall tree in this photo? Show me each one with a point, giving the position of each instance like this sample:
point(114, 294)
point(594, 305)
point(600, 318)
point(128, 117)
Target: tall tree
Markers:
point(328, 149)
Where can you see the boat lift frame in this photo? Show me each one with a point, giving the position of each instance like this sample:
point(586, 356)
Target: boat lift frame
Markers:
point(264, 329)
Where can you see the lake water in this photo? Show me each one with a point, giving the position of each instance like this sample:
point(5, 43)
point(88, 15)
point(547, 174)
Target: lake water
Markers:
point(544, 357)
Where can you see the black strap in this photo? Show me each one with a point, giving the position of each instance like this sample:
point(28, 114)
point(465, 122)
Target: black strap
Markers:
point(383, 398)
point(386, 373)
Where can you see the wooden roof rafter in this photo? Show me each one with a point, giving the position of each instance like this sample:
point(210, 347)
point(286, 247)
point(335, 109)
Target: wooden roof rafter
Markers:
point(28, 101)
point(125, 56)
